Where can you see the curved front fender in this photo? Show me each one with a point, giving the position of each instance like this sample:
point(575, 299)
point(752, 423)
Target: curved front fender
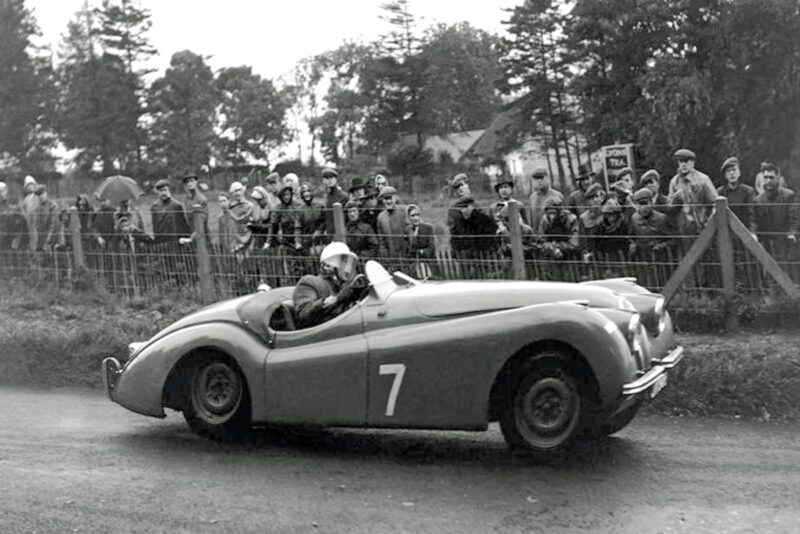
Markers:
point(141, 385)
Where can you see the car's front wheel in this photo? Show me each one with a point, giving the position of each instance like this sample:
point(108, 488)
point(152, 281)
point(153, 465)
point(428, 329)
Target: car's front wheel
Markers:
point(548, 407)
point(218, 404)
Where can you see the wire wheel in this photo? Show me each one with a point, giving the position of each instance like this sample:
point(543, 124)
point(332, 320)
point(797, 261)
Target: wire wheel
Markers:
point(216, 392)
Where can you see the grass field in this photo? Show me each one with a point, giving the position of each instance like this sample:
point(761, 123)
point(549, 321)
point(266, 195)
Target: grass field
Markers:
point(51, 339)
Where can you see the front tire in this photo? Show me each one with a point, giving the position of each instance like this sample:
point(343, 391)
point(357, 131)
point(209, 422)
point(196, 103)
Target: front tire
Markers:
point(548, 405)
point(218, 402)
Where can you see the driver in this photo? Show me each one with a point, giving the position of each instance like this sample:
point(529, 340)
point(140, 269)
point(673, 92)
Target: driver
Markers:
point(321, 297)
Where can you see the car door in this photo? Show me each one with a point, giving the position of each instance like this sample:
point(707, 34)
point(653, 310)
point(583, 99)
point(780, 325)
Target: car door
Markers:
point(318, 375)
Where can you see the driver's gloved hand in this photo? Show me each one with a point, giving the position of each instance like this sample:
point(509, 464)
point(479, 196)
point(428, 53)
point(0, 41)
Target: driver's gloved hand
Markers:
point(352, 290)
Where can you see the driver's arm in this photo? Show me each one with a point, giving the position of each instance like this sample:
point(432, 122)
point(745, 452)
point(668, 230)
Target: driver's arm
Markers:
point(309, 301)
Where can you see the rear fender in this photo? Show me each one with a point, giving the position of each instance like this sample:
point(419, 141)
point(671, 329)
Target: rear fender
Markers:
point(141, 384)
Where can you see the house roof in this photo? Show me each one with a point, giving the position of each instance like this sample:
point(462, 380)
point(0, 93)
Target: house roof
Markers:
point(455, 144)
point(488, 144)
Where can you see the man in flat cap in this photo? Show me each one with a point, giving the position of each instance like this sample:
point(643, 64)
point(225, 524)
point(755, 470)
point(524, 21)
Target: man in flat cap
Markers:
point(333, 194)
point(391, 227)
point(559, 228)
point(459, 188)
point(169, 217)
point(648, 226)
point(361, 237)
point(622, 192)
point(241, 212)
point(740, 196)
point(473, 233)
point(576, 202)
point(505, 191)
point(691, 194)
point(542, 192)
point(590, 222)
point(196, 202)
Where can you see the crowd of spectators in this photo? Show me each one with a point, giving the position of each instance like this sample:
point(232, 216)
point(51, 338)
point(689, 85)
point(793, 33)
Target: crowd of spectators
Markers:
point(631, 216)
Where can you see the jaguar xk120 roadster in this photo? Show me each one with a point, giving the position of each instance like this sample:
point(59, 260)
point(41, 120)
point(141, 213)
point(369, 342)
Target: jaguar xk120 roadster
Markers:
point(554, 363)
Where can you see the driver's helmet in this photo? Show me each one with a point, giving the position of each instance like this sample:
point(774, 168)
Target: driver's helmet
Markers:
point(339, 256)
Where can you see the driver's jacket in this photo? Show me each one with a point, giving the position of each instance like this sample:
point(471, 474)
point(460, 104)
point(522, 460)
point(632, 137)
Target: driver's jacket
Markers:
point(309, 293)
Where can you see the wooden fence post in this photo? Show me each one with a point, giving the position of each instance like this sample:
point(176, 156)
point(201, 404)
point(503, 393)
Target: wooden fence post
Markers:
point(75, 232)
point(725, 247)
point(203, 259)
point(339, 233)
point(515, 237)
point(694, 254)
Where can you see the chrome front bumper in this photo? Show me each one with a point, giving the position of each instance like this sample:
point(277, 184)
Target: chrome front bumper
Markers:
point(654, 379)
point(110, 369)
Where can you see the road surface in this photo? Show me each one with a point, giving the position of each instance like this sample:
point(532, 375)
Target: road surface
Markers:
point(71, 461)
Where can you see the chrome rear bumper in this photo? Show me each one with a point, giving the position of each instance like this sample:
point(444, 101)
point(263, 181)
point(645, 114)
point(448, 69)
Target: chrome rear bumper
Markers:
point(655, 374)
point(110, 369)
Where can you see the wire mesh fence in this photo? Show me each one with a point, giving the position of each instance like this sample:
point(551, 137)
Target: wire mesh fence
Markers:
point(133, 264)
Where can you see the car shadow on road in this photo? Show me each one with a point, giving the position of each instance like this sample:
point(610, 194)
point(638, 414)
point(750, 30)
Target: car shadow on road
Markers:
point(399, 446)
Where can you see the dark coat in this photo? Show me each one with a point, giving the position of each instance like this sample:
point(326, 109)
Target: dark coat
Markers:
point(169, 221)
point(740, 201)
point(420, 244)
point(362, 240)
point(473, 235)
point(308, 295)
point(337, 194)
point(775, 211)
point(13, 227)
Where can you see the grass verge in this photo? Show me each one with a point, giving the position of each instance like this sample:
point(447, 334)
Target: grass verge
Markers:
point(51, 339)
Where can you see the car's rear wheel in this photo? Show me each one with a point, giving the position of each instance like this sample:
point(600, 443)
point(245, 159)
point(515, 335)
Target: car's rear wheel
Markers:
point(218, 404)
point(548, 407)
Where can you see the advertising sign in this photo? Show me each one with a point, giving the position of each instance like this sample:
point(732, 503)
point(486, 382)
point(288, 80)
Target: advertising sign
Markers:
point(615, 158)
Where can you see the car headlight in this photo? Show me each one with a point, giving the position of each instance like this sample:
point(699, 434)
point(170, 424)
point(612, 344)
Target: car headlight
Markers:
point(660, 311)
point(659, 306)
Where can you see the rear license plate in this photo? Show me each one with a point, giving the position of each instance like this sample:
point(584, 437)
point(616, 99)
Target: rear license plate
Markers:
point(658, 386)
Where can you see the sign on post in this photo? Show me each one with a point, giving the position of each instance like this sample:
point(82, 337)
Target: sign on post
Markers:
point(615, 158)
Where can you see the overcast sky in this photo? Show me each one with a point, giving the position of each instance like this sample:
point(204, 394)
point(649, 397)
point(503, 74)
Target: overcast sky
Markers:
point(269, 35)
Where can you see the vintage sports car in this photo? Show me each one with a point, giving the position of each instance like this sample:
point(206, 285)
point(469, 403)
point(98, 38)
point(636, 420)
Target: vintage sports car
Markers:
point(554, 363)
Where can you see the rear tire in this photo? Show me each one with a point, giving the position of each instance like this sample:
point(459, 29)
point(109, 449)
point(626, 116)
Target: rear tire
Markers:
point(548, 405)
point(217, 402)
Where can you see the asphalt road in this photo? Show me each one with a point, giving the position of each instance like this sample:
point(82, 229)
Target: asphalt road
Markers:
point(70, 461)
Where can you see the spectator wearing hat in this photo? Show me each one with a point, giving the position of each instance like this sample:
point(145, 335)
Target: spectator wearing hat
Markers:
point(333, 194)
point(419, 235)
point(104, 223)
point(169, 217)
point(260, 225)
point(691, 194)
point(361, 237)
point(576, 202)
point(292, 180)
point(370, 208)
point(47, 221)
point(648, 226)
point(379, 182)
point(614, 230)
point(504, 230)
point(241, 212)
point(740, 196)
point(272, 185)
point(311, 215)
point(775, 213)
point(622, 193)
point(196, 202)
point(473, 232)
point(591, 220)
point(459, 188)
point(559, 230)
point(505, 189)
point(627, 177)
point(284, 222)
point(30, 202)
point(13, 227)
point(357, 190)
point(758, 183)
point(542, 192)
point(651, 179)
point(391, 225)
